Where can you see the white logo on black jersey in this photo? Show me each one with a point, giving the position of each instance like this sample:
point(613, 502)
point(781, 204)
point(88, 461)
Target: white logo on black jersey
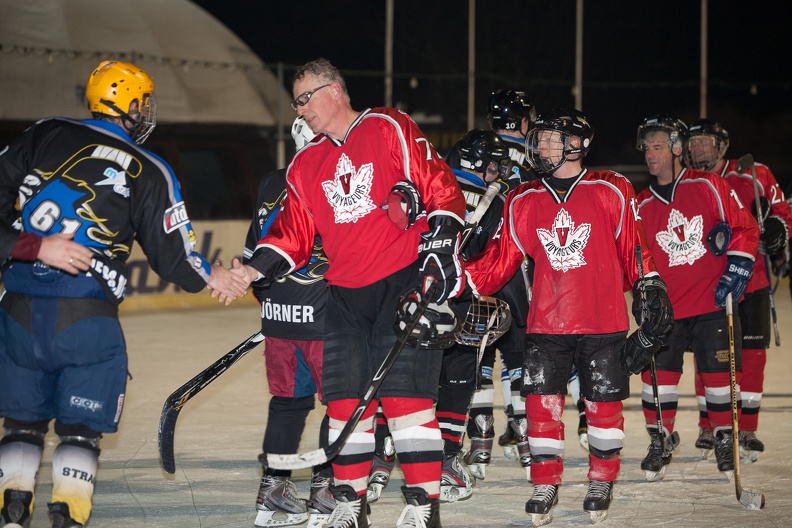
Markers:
point(683, 241)
point(564, 243)
point(348, 192)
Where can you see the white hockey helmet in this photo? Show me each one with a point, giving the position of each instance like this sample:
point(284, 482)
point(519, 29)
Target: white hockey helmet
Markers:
point(301, 132)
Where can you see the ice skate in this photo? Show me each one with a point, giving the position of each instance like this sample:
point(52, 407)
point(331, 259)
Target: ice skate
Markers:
point(277, 503)
point(508, 441)
point(582, 425)
point(655, 462)
point(480, 453)
point(724, 451)
point(16, 512)
point(541, 503)
point(456, 483)
point(59, 511)
point(598, 499)
point(705, 442)
point(420, 512)
point(351, 509)
point(321, 503)
point(750, 447)
point(381, 469)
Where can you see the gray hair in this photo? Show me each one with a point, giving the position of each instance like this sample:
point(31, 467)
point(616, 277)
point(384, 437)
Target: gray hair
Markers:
point(323, 70)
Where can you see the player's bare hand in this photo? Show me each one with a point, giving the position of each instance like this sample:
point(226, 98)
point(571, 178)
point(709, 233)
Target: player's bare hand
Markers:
point(248, 273)
point(225, 285)
point(59, 251)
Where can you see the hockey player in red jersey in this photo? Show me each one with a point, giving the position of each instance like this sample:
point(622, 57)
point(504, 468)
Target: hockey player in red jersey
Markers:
point(705, 150)
point(704, 244)
point(581, 228)
point(336, 187)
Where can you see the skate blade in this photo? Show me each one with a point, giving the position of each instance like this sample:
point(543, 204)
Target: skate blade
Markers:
point(478, 470)
point(584, 443)
point(541, 519)
point(655, 476)
point(278, 518)
point(510, 452)
point(454, 493)
point(705, 453)
point(373, 492)
point(318, 520)
point(598, 516)
point(528, 474)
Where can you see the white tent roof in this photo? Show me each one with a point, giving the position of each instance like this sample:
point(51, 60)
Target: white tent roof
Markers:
point(203, 73)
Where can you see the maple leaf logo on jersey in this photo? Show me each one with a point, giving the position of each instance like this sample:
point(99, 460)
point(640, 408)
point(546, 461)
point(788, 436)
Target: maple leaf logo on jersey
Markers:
point(348, 192)
point(564, 244)
point(683, 241)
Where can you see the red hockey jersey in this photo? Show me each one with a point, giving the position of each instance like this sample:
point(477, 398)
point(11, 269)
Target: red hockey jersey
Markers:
point(677, 231)
point(336, 188)
point(583, 244)
point(768, 188)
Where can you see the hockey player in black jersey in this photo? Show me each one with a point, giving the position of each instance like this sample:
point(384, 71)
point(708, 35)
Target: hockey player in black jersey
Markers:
point(74, 195)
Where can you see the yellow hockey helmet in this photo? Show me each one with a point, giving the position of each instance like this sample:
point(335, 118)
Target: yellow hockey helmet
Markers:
point(111, 89)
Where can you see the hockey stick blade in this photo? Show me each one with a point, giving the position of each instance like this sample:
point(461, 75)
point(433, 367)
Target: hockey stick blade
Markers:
point(175, 402)
point(752, 501)
point(325, 454)
point(745, 163)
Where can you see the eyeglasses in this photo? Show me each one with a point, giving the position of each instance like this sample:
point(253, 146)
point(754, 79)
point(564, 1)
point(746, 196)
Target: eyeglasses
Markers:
point(303, 98)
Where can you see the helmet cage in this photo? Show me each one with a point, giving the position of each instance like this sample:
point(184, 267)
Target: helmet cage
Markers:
point(486, 317)
point(707, 144)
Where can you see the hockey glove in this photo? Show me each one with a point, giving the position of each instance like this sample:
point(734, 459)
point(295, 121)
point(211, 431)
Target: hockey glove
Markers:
point(638, 351)
point(764, 205)
point(719, 238)
point(439, 258)
point(774, 237)
point(734, 280)
point(660, 317)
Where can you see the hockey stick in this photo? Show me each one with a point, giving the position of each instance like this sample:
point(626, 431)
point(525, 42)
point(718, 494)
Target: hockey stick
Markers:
point(743, 164)
point(752, 501)
point(471, 225)
point(324, 454)
point(670, 442)
point(175, 402)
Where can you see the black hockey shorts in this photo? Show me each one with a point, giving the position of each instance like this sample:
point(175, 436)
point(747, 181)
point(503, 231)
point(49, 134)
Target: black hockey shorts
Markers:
point(459, 367)
point(359, 330)
point(707, 336)
point(755, 319)
point(549, 358)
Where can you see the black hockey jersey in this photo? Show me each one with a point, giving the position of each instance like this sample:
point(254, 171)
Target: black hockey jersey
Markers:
point(292, 307)
point(88, 178)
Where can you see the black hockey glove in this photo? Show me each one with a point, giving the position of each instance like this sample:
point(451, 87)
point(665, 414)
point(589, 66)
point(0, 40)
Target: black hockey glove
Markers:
point(660, 317)
point(774, 237)
point(734, 280)
point(439, 258)
point(764, 205)
point(638, 351)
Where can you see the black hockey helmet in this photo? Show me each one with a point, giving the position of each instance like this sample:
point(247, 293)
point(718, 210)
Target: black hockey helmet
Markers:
point(436, 328)
point(707, 144)
point(676, 129)
point(568, 123)
point(507, 108)
point(481, 147)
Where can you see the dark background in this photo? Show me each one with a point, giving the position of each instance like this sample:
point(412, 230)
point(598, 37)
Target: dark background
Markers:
point(639, 58)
